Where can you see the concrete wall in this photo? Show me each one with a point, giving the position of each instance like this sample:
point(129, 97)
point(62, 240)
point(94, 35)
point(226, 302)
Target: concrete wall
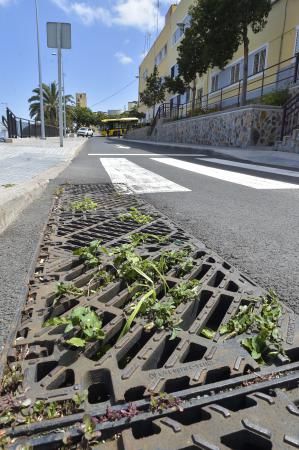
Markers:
point(242, 127)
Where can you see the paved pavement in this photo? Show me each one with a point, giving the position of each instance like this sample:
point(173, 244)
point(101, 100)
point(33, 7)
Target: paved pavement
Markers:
point(26, 166)
point(26, 158)
point(249, 215)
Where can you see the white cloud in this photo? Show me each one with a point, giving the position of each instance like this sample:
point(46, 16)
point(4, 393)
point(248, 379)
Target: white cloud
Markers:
point(123, 58)
point(87, 14)
point(140, 14)
point(5, 2)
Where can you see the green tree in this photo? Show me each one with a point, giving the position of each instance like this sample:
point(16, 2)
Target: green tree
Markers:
point(175, 85)
point(51, 99)
point(218, 28)
point(154, 91)
point(84, 117)
point(133, 113)
point(192, 60)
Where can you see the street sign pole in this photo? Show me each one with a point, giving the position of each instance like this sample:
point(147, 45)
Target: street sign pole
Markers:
point(60, 113)
point(59, 37)
point(64, 102)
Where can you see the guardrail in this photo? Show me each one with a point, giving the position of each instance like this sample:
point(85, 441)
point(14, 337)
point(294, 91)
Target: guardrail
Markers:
point(23, 128)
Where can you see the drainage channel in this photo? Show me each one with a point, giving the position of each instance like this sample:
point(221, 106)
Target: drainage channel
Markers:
point(179, 351)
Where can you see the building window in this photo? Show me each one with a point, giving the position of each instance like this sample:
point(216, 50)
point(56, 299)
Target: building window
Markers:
point(297, 42)
point(235, 73)
point(215, 83)
point(259, 61)
point(177, 35)
point(199, 96)
point(188, 91)
point(174, 71)
point(161, 55)
point(180, 31)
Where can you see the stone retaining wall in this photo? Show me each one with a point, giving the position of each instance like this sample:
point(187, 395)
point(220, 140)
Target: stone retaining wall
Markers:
point(139, 133)
point(247, 126)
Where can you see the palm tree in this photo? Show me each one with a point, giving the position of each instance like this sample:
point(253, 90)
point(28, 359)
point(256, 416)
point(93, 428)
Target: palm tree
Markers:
point(51, 98)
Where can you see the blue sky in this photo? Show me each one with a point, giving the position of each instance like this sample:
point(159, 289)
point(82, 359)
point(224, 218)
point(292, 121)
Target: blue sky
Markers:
point(108, 40)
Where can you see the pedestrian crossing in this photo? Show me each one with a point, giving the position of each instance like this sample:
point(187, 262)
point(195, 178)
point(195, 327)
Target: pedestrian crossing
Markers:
point(242, 179)
point(143, 181)
point(265, 169)
point(138, 179)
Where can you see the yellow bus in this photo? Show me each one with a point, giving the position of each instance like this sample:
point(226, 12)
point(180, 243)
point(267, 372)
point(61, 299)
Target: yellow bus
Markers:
point(117, 127)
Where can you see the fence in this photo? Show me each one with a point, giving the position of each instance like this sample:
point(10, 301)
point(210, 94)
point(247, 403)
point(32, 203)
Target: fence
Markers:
point(290, 121)
point(23, 128)
point(271, 79)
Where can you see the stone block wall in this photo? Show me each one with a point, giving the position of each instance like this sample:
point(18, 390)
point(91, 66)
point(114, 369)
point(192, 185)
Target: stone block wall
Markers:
point(256, 125)
point(139, 133)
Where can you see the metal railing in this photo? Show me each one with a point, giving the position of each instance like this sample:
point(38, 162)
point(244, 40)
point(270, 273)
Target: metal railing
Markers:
point(271, 79)
point(24, 128)
point(290, 120)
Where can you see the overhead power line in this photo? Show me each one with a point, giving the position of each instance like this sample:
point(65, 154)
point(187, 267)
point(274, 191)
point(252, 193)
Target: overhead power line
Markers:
point(115, 93)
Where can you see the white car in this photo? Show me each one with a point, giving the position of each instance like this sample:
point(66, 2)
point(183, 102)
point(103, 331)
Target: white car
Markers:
point(85, 132)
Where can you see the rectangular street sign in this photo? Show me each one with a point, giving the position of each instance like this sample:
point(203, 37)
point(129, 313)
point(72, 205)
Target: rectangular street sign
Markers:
point(53, 30)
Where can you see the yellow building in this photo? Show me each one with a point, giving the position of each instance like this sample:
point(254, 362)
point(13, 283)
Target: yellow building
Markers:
point(271, 59)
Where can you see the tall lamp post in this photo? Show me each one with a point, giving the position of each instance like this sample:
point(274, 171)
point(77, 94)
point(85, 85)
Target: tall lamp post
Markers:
point(41, 93)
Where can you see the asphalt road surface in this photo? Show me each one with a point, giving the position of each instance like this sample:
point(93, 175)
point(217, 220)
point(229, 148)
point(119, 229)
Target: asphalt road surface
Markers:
point(247, 213)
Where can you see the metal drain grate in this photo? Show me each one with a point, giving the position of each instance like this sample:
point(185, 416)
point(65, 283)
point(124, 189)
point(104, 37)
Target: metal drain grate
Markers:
point(241, 420)
point(140, 363)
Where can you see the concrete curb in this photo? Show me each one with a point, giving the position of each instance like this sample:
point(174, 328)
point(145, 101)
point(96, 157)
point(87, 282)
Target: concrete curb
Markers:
point(14, 200)
point(193, 146)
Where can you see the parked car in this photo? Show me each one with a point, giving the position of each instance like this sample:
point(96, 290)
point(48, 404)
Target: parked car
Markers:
point(85, 132)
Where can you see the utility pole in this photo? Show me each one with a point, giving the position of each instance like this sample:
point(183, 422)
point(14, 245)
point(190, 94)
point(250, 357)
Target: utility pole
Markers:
point(41, 93)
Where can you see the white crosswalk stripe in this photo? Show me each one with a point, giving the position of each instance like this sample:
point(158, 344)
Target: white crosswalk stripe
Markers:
point(226, 175)
point(265, 169)
point(138, 179)
point(148, 155)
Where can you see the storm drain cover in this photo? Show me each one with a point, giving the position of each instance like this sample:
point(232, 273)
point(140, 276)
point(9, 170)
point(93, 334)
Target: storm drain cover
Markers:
point(137, 354)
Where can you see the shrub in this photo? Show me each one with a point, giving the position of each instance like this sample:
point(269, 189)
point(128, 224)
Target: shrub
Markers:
point(278, 98)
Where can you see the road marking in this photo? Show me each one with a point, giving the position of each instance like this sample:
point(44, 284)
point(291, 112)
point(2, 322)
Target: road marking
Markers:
point(122, 146)
point(265, 169)
point(225, 175)
point(138, 179)
point(193, 155)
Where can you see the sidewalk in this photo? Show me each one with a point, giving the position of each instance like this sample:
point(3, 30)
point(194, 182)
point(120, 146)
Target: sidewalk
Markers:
point(27, 165)
point(258, 155)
